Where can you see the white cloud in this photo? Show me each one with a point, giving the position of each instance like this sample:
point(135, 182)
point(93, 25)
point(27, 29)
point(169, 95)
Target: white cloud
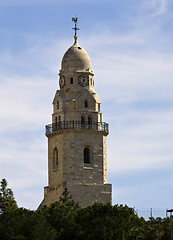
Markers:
point(157, 7)
point(24, 165)
point(134, 71)
point(140, 140)
point(162, 8)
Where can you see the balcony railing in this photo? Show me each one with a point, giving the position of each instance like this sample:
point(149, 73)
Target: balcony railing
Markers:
point(95, 126)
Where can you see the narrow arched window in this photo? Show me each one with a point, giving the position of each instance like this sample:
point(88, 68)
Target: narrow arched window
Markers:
point(86, 155)
point(55, 158)
point(57, 105)
point(89, 120)
point(82, 120)
point(86, 104)
point(56, 123)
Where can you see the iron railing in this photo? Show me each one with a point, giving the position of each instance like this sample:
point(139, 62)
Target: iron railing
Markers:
point(95, 126)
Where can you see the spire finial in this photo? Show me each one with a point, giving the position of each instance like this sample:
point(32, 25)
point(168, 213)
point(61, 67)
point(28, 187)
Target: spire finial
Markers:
point(74, 19)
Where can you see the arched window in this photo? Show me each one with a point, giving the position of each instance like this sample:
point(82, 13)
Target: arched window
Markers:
point(55, 158)
point(86, 154)
point(57, 105)
point(86, 104)
point(56, 123)
point(89, 120)
point(82, 120)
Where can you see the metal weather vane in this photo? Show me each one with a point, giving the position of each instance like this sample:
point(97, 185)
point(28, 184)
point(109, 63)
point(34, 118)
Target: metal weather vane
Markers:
point(74, 19)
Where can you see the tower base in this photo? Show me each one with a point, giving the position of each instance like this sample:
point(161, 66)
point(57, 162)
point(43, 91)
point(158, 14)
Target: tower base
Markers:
point(83, 194)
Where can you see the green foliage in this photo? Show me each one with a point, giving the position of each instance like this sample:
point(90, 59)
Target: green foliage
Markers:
point(94, 222)
point(65, 220)
point(23, 224)
point(62, 219)
point(7, 201)
point(67, 199)
point(104, 222)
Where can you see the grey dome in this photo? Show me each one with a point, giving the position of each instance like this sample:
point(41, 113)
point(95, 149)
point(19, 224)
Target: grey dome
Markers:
point(75, 58)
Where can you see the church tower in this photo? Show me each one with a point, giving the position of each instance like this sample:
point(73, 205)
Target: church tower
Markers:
point(77, 136)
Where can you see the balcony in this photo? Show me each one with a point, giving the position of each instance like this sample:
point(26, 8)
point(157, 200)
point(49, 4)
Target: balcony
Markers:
point(77, 125)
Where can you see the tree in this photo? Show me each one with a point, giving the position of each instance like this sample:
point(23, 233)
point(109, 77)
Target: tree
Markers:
point(61, 218)
point(24, 224)
point(105, 222)
point(7, 201)
point(64, 220)
point(67, 199)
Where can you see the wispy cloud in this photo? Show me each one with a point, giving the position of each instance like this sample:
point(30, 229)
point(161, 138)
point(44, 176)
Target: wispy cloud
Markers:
point(140, 139)
point(156, 7)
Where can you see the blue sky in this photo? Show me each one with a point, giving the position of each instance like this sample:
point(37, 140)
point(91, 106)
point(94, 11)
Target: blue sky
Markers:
point(130, 46)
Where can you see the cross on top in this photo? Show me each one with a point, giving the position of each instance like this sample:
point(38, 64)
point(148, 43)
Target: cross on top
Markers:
point(74, 19)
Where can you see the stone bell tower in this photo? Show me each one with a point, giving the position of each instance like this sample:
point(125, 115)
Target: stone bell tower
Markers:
point(77, 136)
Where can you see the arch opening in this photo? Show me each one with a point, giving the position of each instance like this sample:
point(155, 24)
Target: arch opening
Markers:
point(87, 155)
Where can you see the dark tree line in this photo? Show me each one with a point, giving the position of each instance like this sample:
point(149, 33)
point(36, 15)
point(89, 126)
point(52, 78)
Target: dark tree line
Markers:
point(65, 220)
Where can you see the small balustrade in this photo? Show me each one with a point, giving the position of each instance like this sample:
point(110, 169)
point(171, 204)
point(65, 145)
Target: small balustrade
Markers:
point(95, 126)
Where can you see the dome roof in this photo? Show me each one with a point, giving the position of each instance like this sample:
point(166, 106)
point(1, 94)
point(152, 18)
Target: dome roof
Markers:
point(76, 58)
